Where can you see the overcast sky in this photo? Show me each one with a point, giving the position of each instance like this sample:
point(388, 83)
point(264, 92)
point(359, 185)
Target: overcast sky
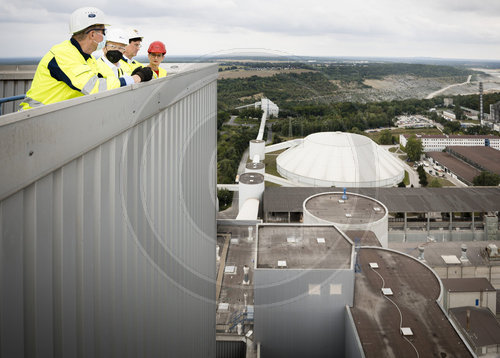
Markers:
point(382, 28)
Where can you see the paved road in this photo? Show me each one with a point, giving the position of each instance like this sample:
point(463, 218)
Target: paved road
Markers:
point(412, 173)
point(434, 94)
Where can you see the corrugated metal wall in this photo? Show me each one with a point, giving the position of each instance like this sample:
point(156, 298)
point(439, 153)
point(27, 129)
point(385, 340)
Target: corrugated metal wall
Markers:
point(14, 80)
point(112, 253)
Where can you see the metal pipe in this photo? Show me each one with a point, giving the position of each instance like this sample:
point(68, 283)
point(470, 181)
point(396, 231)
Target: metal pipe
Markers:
point(10, 99)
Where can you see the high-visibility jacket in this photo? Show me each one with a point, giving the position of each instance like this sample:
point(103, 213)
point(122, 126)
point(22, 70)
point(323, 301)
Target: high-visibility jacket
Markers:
point(107, 68)
point(128, 65)
point(161, 73)
point(67, 72)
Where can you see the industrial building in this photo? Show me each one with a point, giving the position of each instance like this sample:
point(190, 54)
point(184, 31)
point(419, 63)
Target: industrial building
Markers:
point(467, 162)
point(432, 143)
point(449, 214)
point(339, 159)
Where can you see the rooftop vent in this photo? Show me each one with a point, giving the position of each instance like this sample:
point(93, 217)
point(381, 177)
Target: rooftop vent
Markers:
point(406, 331)
point(341, 201)
point(387, 292)
point(348, 215)
point(291, 240)
point(235, 241)
point(374, 265)
point(376, 208)
point(320, 240)
point(231, 269)
point(281, 263)
point(450, 259)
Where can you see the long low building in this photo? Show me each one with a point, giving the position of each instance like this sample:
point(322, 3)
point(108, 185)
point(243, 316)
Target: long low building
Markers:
point(433, 143)
point(468, 162)
point(414, 213)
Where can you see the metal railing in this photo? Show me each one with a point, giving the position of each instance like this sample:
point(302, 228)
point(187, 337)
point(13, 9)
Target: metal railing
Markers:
point(10, 99)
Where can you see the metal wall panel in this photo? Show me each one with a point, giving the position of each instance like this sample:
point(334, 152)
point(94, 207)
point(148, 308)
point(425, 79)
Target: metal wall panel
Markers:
point(14, 80)
point(107, 242)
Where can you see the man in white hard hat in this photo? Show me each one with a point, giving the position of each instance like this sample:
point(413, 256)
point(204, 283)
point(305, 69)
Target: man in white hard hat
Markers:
point(109, 63)
point(69, 70)
point(134, 45)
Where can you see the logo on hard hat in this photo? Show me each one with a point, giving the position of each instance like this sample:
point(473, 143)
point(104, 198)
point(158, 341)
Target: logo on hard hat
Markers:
point(91, 15)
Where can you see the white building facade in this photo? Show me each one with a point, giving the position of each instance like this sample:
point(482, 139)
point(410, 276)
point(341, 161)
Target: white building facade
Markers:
point(437, 143)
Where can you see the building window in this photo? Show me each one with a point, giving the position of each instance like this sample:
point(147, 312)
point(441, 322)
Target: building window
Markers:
point(314, 289)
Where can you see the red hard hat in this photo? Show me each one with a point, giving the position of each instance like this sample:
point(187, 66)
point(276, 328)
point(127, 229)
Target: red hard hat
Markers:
point(157, 47)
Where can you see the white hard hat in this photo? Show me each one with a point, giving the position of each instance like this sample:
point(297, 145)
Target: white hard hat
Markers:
point(84, 17)
point(116, 35)
point(134, 33)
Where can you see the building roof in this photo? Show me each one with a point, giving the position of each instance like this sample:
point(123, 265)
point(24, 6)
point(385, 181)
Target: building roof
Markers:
point(484, 329)
point(465, 171)
point(363, 237)
point(301, 247)
point(473, 284)
point(415, 291)
point(434, 252)
point(355, 209)
point(453, 136)
point(483, 199)
point(340, 159)
point(481, 156)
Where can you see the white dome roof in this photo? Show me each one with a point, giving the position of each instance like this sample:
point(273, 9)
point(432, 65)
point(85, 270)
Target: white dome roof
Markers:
point(340, 159)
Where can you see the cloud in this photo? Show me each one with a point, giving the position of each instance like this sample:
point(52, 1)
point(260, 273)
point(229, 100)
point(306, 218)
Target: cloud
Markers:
point(383, 26)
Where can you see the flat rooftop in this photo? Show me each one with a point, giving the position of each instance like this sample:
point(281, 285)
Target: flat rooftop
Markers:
point(416, 200)
point(302, 247)
point(355, 210)
point(472, 284)
point(415, 290)
point(434, 252)
point(484, 329)
point(236, 250)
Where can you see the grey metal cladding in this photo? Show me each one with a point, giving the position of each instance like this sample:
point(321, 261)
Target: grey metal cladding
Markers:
point(108, 247)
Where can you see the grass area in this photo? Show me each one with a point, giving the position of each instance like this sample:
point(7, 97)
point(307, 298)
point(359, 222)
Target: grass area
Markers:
point(406, 179)
point(270, 163)
point(403, 157)
point(268, 183)
point(442, 181)
point(393, 150)
point(246, 120)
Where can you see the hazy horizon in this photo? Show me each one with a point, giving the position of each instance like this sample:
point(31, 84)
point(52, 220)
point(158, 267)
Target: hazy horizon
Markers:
point(446, 29)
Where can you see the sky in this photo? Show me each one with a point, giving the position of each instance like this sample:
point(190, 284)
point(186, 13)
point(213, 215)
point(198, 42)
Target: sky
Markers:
point(462, 29)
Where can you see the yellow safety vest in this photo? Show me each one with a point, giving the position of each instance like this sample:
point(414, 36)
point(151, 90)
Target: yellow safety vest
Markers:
point(129, 66)
point(67, 72)
point(162, 73)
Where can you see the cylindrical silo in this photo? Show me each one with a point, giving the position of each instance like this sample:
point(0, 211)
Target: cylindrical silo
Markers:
point(257, 146)
point(251, 186)
point(255, 168)
point(357, 212)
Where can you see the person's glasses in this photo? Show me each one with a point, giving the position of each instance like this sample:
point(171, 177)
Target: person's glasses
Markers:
point(103, 31)
point(114, 47)
point(137, 46)
point(156, 54)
